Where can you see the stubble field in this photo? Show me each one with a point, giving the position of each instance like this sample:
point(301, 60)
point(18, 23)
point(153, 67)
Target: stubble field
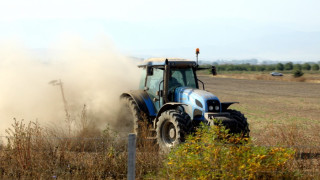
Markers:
point(279, 112)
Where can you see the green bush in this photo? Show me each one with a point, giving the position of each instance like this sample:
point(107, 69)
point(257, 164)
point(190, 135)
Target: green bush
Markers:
point(297, 67)
point(297, 73)
point(306, 67)
point(288, 66)
point(315, 67)
point(280, 67)
point(213, 154)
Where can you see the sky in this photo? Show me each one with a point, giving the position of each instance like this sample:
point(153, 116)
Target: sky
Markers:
point(223, 29)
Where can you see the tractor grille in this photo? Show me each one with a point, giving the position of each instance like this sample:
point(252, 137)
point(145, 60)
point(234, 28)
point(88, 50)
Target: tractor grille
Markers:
point(213, 103)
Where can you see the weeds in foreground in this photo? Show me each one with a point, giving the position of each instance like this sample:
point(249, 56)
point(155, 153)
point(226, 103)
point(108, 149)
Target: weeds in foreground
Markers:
point(34, 153)
point(213, 154)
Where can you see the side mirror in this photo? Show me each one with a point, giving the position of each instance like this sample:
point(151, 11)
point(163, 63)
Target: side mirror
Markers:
point(214, 70)
point(149, 71)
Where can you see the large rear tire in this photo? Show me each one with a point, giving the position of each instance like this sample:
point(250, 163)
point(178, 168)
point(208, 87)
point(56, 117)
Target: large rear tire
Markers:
point(237, 124)
point(129, 115)
point(172, 128)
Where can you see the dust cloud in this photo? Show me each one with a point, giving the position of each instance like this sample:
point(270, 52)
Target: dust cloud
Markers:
point(93, 74)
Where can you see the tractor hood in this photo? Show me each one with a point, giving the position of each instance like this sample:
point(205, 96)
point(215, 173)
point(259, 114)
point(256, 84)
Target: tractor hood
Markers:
point(192, 93)
point(198, 101)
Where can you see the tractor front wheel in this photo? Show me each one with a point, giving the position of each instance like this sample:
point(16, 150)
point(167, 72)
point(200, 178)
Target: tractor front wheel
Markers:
point(171, 129)
point(237, 124)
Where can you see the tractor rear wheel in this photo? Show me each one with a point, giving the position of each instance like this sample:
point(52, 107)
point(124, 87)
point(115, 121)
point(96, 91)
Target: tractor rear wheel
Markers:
point(237, 124)
point(129, 115)
point(172, 127)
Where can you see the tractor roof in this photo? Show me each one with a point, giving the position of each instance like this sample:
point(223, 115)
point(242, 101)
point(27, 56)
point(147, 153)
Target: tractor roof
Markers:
point(175, 62)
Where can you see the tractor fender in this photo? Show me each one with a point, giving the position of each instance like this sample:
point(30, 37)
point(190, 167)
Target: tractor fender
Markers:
point(167, 106)
point(225, 105)
point(143, 100)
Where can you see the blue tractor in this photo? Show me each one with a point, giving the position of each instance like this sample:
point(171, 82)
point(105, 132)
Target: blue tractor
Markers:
point(170, 98)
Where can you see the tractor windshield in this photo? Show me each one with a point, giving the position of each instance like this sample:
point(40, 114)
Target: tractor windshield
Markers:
point(182, 78)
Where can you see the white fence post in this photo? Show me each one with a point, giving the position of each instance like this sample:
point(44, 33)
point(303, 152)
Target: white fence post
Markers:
point(131, 157)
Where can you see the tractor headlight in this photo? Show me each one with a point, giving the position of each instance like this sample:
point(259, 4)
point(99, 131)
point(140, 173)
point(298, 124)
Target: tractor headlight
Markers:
point(213, 105)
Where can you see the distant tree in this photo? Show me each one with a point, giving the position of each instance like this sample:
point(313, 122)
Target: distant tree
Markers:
point(271, 67)
point(252, 67)
point(229, 67)
point(279, 67)
point(246, 67)
point(315, 67)
point(288, 66)
point(297, 67)
point(306, 66)
point(261, 67)
point(220, 68)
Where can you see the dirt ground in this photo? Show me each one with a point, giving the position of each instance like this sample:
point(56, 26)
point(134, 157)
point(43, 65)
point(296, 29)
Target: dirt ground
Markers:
point(278, 112)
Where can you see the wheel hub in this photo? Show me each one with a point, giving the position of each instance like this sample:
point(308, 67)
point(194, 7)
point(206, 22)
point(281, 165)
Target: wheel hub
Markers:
point(172, 133)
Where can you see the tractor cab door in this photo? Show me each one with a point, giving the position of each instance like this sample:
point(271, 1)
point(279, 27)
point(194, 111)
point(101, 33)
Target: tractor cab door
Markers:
point(154, 86)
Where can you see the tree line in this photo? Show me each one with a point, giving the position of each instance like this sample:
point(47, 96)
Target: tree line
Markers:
point(268, 67)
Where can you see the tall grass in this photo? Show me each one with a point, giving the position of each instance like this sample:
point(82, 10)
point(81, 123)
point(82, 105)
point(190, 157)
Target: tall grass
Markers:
point(37, 153)
point(305, 143)
point(33, 152)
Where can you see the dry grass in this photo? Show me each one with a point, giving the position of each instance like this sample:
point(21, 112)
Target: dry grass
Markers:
point(306, 145)
point(33, 152)
point(280, 114)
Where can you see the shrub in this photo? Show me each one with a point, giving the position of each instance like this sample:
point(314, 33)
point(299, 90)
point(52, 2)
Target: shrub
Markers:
point(297, 67)
point(213, 154)
point(306, 67)
point(315, 67)
point(288, 66)
point(297, 73)
point(280, 67)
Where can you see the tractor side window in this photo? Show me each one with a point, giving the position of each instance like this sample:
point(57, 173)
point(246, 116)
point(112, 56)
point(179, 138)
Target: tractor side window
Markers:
point(142, 78)
point(154, 81)
point(189, 78)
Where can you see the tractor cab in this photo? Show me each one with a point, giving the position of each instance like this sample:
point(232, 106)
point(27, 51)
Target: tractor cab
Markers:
point(161, 77)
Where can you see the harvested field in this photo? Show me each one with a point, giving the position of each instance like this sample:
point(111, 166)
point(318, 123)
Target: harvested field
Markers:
point(288, 77)
point(274, 106)
point(279, 113)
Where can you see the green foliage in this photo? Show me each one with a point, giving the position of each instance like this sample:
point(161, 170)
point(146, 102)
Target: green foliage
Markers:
point(297, 73)
point(306, 66)
point(297, 67)
point(213, 154)
point(261, 68)
point(271, 67)
point(267, 67)
point(315, 67)
point(288, 66)
point(280, 67)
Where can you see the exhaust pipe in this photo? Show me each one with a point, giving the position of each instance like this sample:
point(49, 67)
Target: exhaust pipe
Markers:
point(166, 82)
